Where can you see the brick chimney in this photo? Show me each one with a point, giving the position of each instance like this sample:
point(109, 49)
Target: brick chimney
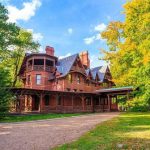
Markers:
point(49, 50)
point(84, 56)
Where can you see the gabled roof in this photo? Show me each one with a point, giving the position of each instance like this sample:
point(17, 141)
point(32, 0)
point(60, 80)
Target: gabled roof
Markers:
point(64, 65)
point(101, 70)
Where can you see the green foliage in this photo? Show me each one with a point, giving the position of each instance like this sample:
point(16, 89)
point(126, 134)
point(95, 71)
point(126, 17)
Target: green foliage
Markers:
point(14, 43)
point(4, 94)
point(130, 42)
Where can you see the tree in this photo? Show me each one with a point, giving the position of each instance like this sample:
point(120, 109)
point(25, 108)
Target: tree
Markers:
point(4, 94)
point(25, 44)
point(129, 54)
point(14, 43)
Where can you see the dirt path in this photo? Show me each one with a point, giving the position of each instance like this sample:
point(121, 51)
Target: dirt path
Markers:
point(44, 134)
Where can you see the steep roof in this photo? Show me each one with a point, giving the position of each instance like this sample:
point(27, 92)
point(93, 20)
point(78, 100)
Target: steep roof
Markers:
point(64, 65)
point(101, 70)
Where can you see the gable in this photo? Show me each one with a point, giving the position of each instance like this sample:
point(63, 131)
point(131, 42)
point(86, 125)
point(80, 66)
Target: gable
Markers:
point(78, 66)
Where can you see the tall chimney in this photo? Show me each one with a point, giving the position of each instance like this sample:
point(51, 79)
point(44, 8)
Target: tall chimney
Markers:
point(49, 50)
point(84, 56)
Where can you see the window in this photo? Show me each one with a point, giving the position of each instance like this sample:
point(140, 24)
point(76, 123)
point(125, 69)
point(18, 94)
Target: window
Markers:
point(49, 63)
point(47, 97)
point(59, 100)
point(105, 84)
point(38, 79)
point(88, 101)
point(28, 79)
point(78, 79)
point(70, 78)
point(38, 61)
point(88, 83)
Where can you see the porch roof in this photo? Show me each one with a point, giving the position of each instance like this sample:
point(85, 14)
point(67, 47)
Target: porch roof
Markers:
point(118, 90)
point(29, 91)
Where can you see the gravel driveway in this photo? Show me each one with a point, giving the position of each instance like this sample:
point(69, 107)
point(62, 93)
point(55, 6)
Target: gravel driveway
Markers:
point(45, 134)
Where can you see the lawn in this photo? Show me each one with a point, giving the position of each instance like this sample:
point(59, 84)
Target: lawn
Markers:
point(17, 118)
point(128, 131)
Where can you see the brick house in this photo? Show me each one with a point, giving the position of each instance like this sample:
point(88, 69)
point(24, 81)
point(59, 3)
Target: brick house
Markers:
point(65, 85)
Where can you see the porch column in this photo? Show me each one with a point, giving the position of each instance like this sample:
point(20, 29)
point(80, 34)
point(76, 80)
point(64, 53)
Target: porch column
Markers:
point(127, 96)
point(44, 63)
point(117, 103)
point(20, 100)
point(33, 64)
point(109, 102)
point(40, 105)
point(92, 103)
point(62, 103)
point(83, 103)
point(72, 102)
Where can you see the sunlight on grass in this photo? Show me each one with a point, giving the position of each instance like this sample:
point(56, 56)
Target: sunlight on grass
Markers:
point(128, 131)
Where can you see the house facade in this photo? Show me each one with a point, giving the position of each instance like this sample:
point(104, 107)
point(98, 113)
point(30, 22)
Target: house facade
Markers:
point(66, 85)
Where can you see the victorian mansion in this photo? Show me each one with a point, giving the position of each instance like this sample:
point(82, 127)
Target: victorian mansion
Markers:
point(65, 85)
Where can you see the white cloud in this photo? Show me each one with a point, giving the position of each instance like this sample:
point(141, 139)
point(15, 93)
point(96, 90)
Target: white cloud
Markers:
point(70, 30)
point(97, 36)
point(89, 40)
point(61, 57)
point(101, 27)
point(36, 36)
point(25, 13)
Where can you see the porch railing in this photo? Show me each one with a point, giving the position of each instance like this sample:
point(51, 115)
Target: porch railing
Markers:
point(41, 68)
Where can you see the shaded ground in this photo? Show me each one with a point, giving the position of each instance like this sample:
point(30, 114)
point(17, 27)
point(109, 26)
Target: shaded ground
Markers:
point(129, 131)
point(45, 134)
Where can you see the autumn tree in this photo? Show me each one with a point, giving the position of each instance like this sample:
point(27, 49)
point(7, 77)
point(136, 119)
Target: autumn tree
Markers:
point(129, 53)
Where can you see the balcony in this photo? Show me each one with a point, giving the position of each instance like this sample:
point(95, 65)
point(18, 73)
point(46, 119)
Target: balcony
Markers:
point(41, 68)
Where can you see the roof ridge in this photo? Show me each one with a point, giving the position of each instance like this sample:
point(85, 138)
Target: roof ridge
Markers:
point(67, 56)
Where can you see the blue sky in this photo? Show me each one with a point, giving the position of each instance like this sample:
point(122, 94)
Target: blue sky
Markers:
point(70, 26)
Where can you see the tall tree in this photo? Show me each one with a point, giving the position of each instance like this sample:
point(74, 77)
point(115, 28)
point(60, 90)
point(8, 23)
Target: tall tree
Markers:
point(14, 43)
point(25, 44)
point(130, 42)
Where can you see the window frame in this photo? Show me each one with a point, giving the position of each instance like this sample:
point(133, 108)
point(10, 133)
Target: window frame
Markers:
point(40, 79)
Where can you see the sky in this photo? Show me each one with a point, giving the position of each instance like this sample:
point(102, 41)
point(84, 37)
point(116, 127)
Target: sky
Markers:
point(70, 26)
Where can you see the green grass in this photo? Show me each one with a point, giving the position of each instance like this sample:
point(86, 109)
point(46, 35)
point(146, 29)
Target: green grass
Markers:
point(18, 118)
point(128, 131)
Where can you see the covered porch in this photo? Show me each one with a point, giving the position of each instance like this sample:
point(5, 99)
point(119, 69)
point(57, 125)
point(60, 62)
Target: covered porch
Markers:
point(44, 101)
